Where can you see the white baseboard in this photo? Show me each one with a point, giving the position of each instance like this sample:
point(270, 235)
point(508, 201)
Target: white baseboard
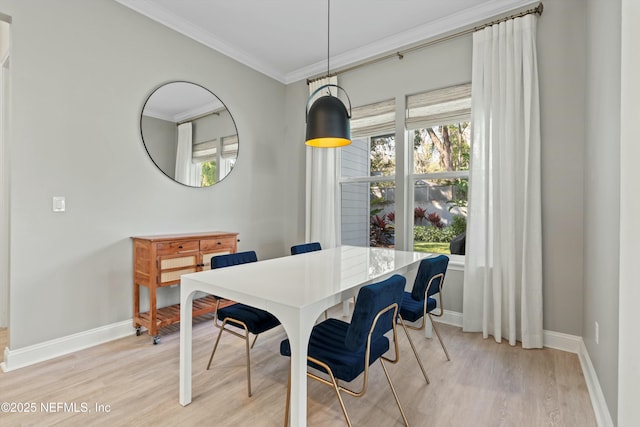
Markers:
point(452, 318)
point(600, 408)
point(560, 341)
point(15, 359)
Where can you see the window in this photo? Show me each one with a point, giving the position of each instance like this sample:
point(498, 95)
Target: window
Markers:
point(367, 177)
point(438, 130)
point(440, 182)
point(215, 163)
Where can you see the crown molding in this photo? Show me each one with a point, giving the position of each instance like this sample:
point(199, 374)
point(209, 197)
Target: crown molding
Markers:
point(188, 29)
point(431, 30)
point(184, 115)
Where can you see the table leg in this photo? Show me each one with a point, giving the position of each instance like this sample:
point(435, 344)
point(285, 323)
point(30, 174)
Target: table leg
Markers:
point(298, 386)
point(298, 328)
point(428, 328)
point(346, 307)
point(186, 326)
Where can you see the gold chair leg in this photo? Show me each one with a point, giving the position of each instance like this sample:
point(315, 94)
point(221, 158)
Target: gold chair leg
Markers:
point(215, 346)
point(439, 337)
point(393, 390)
point(246, 340)
point(415, 352)
point(336, 388)
point(254, 341)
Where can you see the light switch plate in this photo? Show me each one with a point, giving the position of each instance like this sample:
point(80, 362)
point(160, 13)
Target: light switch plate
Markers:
point(59, 204)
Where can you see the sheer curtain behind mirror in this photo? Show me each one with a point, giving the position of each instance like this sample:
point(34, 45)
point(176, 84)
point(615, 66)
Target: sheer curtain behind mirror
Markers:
point(321, 179)
point(187, 172)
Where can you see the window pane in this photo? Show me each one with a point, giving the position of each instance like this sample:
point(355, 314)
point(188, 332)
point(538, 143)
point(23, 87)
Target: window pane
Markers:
point(383, 155)
point(368, 214)
point(366, 157)
point(208, 173)
point(440, 214)
point(441, 148)
point(354, 160)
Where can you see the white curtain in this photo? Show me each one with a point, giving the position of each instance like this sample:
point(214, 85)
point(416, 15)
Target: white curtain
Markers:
point(503, 271)
point(186, 172)
point(321, 186)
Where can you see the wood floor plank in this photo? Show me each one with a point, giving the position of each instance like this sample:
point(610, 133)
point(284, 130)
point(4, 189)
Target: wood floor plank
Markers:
point(485, 384)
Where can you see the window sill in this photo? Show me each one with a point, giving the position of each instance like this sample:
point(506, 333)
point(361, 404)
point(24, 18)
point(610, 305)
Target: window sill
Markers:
point(456, 262)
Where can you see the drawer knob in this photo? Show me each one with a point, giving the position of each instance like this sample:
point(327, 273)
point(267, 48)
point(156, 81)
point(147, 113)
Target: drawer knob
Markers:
point(219, 243)
point(180, 247)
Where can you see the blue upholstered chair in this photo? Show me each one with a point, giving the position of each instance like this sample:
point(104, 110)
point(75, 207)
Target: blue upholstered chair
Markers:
point(305, 247)
point(420, 302)
point(251, 320)
point(343, 351)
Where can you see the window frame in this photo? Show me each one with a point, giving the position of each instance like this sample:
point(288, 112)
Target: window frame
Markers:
point(412, 177)
point(361, 179)
point(404, 177)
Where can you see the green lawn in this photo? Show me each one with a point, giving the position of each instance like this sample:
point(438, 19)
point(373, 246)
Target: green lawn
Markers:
point(439, 248)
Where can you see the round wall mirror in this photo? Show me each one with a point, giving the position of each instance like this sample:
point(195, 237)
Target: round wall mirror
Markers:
point(189, 134)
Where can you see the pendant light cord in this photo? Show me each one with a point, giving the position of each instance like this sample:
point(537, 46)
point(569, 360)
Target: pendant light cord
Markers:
point(328, 32)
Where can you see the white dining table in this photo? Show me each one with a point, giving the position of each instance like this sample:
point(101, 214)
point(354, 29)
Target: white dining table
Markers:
point(295, 289)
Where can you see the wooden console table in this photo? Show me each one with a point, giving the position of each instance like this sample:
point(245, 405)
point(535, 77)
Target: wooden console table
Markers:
point(159, 261)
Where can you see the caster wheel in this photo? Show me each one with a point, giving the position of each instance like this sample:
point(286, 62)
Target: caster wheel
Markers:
point(156, 340)
point(138, 331)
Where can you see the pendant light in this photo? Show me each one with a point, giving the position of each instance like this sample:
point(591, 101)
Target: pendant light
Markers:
point(328, 119)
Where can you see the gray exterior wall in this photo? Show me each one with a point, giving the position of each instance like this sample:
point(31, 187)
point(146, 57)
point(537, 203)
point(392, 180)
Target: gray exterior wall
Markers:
point(355, 203)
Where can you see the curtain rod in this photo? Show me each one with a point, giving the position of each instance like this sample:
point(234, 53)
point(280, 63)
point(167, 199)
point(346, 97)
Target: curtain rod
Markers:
point(400, 54)
point(210, 113)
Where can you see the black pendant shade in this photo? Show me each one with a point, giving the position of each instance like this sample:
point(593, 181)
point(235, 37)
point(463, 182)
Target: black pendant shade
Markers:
point(328, 121)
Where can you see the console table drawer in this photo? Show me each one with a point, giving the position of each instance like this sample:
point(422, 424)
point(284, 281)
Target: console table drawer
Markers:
point(212, 245)
point(169, 248)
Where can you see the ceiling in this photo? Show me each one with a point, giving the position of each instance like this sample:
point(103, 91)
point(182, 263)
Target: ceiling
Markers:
point(287, 39)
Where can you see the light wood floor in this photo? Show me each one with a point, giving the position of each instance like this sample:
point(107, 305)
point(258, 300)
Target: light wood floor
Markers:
point(485, 384)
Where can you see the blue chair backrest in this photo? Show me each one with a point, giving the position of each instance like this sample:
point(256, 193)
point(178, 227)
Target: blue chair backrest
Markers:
point(305, 247)
point(228, 260)
point(429, 267)
point(371, 299)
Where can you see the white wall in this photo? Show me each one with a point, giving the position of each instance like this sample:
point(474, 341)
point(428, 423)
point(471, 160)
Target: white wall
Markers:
point(629, 345)
point(561, 60)
point(602, 195)
point(81, 73)
point(5, 90)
